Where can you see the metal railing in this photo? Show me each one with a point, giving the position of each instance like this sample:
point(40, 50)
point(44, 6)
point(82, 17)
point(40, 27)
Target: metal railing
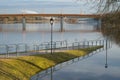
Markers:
point(7, 50)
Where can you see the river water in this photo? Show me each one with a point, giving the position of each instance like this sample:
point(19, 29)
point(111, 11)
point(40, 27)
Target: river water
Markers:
point(92, 68)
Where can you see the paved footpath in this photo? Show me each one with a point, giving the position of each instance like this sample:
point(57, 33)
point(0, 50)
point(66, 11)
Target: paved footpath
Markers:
point(63, 49)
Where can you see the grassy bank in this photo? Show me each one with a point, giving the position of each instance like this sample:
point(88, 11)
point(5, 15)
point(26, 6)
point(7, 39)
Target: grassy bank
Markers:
point(22, 68)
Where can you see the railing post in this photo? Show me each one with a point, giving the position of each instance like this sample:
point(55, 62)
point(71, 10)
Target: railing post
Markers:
point(61, 45)
point(92, 43)
point(88, 44)
point(83, 44)
point(96, 42)
point(78, 45)
point(37, 48)
point(7, 50)
point(16, 50)
point(66, 44)
point(54, 46)
point(100, 42)
point(73, 45)
point(26, 48)
point(46, 48)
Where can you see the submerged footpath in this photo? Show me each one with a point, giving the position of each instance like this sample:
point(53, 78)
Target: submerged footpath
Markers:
point(22, 68)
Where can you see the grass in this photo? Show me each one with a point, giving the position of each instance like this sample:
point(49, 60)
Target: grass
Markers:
point(22, 68)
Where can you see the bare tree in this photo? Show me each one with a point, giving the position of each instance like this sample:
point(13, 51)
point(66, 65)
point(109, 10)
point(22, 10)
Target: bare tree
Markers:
point(104, 6)
point(109, 5)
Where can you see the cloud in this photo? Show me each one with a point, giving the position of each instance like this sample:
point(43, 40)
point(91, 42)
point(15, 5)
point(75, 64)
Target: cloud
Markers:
point(28, 12)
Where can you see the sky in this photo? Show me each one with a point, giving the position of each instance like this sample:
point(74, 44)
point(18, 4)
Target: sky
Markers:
point(45, 6)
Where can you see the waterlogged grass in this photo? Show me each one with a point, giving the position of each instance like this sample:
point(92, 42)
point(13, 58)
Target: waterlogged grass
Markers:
point(22, 68)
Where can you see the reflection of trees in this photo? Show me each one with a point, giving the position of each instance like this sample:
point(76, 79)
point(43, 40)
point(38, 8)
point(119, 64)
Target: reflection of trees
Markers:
point(112, 18)
point(111, 21)
point(111, 27)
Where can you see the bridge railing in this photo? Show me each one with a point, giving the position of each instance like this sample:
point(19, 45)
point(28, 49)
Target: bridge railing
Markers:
point(29, 49)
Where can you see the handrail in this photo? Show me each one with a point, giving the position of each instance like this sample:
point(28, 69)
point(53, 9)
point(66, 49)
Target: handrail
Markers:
point(9, 49)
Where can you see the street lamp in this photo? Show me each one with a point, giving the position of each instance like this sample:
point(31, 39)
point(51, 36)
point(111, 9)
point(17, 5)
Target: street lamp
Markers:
point(51, 22)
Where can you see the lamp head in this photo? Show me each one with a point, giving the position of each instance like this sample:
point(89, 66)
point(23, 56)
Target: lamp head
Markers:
point(51, 21)
point(106, 66)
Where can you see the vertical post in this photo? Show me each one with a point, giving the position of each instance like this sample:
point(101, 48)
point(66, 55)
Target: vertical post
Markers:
point(109, 43)
point(46, 47)
point(35, 47)
point(92, 43)
point(16, 49)
point(99, 42)
point(66, 43)
point(78, 45)
point(61, 24)
point(106, 65)
point(88, 44)
point(51, 37)
point(83, 44)
point(51, 22)
point(7, 50)
point(54, 47)
point(24, 23)
point(103, 44)
point(99, 24)
point(96, 43)
point(26, 48)
point(51, 78)
point(61, 45)
point(72, 45)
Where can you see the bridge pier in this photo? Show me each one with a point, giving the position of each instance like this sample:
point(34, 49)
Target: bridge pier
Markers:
point(99, 24)
point(61, 24)
point(23, 23)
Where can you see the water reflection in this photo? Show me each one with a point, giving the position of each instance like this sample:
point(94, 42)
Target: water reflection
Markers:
point(49, 73)
point(88, 69)
point(112, 32)
point(106, 64)
point(37, 33)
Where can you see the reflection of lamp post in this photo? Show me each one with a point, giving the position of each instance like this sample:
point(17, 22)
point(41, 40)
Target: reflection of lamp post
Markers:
point(106, 65)
point(51, 22)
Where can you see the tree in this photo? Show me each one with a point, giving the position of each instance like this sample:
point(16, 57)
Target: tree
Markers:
point(108, 6)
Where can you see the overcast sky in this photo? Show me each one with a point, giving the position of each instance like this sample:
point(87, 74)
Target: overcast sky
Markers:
point(45, 6)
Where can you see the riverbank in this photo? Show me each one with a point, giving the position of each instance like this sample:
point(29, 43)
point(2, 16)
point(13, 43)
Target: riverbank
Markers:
point(22, 68)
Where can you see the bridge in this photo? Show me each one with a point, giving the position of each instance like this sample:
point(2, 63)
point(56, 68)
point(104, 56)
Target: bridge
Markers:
point(55, 15)
point(28, 18)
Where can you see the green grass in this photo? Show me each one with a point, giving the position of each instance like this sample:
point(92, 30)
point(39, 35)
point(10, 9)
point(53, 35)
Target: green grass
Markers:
point(22, 68)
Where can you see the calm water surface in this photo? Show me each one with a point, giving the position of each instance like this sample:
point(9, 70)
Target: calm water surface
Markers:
point(92, 68)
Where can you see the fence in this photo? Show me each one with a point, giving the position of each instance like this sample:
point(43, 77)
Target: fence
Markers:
point(7, 50)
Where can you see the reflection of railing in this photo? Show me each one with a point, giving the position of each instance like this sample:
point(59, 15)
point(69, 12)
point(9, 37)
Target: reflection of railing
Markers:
point(25, 49)
point(64, 64)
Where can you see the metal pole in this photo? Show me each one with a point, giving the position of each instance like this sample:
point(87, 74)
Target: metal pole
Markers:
point(16, 49)
point(51, 36)
point(51, 74)
point(106, 65)
point(7, 50)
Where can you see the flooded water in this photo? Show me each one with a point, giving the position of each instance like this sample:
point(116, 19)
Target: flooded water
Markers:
point(91, 68)
point(37, 33)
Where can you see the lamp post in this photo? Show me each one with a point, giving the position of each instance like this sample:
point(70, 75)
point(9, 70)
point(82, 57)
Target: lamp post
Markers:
point(106, 65)
point(51, 22)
